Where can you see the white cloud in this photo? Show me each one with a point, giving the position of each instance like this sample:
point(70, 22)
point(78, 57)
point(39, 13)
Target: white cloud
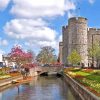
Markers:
point(3, 42)
point(30, 29)
point(60, 38)
point(38, 44)
point(17, 45)
point(71, 14)
point(41, 43)
point(91, 1)
point(38, 8)
point(29, 24)
point(4, 4)
point(47, 43)
point(2, 52)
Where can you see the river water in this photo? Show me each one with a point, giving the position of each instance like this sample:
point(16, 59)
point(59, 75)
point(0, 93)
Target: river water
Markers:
point(41, 88)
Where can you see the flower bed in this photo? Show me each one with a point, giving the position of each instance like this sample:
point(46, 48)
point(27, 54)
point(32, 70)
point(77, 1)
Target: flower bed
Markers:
point(88, 77)
point(87, 70)
point(4, 76)
point(14, 73)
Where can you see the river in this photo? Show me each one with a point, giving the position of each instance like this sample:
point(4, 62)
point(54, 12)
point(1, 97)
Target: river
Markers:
point(41, 88)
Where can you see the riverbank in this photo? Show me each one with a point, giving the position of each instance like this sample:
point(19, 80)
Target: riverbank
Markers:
point(9, 80)
point(79, 90)
point(40, 88)
point(15, 81)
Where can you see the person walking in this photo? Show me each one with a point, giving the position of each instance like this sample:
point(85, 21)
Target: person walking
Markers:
point(23, 72)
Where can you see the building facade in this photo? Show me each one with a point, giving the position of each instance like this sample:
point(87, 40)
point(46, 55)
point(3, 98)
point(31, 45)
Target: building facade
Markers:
point(77, 35)
point(60, 52)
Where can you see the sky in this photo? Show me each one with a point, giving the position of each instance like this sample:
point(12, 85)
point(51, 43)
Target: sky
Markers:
point(33, 24)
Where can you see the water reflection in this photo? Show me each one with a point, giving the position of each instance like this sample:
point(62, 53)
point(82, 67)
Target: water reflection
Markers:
point(41, 88)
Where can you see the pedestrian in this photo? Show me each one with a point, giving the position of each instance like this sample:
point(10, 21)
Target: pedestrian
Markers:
point(92, 65)
point(82, 65)
point(23, 72)
point(26, 71)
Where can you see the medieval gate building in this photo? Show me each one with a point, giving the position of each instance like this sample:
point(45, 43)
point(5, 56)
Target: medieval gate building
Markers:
point(77, 35)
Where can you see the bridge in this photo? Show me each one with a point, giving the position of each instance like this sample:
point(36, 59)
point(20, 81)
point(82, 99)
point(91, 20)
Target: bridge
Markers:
point(49, 70)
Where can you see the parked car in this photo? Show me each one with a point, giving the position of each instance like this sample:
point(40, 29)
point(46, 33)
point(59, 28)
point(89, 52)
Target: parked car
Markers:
point(46, 65)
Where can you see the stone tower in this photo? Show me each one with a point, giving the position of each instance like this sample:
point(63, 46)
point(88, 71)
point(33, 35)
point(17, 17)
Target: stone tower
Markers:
point(65, 44)
point(60, 51)
point(75, 37)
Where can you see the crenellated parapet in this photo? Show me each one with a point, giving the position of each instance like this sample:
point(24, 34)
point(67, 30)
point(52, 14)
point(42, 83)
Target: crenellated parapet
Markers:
point(60, 43)
point(93, 31)
point(64, 27)
point(77, 19)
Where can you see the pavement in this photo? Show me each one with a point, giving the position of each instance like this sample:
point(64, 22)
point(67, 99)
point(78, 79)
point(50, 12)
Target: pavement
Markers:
point(7, 82)
point(15, 81)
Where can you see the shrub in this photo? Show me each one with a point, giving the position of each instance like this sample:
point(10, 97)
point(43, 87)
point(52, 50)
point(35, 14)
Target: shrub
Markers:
point(97, 73)
point(76, 69)
point(1, 73)
point(5, 76)
point(87, 70)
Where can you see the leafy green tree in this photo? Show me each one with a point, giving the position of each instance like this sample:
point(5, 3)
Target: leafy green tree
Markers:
point(94, 52)
point(33, 54)
point(46, 55)
point(74, 58)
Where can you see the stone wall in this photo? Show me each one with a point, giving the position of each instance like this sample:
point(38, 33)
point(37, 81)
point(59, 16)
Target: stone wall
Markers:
point(81, 92)
point(93, 37)
point(95, 33)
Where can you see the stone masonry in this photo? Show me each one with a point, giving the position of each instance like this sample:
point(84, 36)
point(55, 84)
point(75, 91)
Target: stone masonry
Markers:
point(60, 52)
point(77, 35)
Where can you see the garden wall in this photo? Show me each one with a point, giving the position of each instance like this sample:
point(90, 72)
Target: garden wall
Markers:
point(79, 90)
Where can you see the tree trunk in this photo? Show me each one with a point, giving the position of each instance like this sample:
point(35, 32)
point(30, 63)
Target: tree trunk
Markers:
point(97, 65)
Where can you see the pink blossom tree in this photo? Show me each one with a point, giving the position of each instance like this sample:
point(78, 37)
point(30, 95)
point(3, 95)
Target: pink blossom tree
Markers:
point(19, 56)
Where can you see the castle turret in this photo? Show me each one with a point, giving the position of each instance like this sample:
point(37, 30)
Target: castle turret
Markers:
point(65, 44)
point(77, 38)
point(60, 52)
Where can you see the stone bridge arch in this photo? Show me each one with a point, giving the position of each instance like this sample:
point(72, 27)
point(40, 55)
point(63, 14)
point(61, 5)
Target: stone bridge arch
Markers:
point(39, 70)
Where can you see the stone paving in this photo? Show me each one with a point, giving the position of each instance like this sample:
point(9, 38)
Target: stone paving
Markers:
point(5, 82)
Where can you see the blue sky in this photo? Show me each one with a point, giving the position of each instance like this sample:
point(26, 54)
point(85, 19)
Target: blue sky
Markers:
point(33, 24)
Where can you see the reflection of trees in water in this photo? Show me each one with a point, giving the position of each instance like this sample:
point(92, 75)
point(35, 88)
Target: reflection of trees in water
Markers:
point(43, 88)
point(65, 90)
point(0, 96)
point(68, 92)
